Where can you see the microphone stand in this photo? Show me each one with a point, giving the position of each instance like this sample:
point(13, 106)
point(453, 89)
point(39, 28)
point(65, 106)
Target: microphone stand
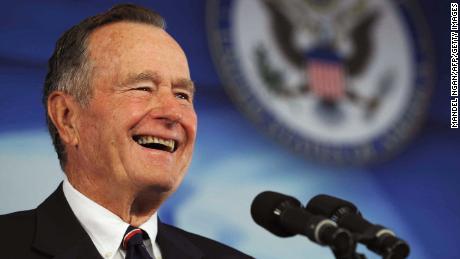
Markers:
point(349, 254)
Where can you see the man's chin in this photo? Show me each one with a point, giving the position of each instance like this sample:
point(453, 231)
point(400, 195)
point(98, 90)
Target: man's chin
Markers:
point(156, 187)
point(154, 194)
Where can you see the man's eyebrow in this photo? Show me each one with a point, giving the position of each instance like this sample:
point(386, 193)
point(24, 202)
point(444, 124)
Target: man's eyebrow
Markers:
point(154, 77)
point(186, 84)
point(141, 77)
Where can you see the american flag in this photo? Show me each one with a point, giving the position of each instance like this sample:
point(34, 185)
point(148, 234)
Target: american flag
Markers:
point(326, 78)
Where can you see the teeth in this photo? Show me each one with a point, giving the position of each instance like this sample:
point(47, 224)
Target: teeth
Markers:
point(151, 139)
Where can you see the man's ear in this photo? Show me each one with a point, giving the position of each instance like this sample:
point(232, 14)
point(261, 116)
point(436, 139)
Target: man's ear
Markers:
point(63, 110)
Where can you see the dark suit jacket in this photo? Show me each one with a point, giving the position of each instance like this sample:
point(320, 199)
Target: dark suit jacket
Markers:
point(52, 231)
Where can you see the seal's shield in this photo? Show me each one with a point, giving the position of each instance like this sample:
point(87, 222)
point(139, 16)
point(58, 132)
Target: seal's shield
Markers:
point(326, 75)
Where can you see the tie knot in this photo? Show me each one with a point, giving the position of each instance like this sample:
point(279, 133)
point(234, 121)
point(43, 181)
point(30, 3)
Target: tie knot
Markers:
point(133, 236)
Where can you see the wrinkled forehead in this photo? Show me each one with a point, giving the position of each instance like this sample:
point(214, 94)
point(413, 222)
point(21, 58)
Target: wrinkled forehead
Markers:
point(120, 39)
point(129, 47)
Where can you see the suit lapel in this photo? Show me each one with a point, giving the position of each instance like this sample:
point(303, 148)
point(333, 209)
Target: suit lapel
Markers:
point(58, 233)
point(61, 236)
point(174, 245)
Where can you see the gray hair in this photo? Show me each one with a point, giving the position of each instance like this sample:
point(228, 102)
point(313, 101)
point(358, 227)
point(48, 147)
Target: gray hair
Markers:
point(69, 69)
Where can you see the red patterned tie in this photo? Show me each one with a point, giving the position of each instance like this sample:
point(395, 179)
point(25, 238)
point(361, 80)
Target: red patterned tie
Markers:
point(133, 243)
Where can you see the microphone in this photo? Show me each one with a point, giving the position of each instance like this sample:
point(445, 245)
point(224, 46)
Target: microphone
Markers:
point(377, 238)
point(284, 216)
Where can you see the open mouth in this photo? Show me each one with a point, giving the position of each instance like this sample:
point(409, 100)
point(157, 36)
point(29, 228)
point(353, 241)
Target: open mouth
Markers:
point(151, 142)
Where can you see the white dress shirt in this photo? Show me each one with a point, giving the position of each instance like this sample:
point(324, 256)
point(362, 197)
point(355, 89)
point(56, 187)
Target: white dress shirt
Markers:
point(106, 229)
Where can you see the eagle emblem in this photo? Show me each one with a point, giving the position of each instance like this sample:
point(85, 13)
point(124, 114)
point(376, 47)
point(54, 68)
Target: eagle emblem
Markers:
point(331, 79)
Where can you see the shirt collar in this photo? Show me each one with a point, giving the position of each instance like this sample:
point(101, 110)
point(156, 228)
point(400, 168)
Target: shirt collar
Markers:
point(105, 229)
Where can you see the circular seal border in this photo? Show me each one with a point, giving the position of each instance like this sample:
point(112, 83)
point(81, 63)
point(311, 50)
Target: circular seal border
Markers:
point(378, 150)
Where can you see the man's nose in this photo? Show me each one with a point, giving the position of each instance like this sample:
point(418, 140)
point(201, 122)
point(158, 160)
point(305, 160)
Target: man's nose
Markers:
point(168, 109)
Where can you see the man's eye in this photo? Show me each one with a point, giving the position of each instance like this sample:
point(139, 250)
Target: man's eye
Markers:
point(144, 88)
point(183, 96)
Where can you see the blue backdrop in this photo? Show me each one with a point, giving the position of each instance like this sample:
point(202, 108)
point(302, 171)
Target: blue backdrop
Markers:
point(414, 193)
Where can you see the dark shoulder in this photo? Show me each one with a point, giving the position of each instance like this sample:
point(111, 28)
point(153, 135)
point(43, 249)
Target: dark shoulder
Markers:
point(19, 221)
point(212, 248)
point(18, 226)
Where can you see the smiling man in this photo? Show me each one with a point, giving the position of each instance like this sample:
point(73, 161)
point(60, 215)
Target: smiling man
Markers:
point(119, 103)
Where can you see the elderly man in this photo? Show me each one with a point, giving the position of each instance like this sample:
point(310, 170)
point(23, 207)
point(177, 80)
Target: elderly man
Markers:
point(119, 103)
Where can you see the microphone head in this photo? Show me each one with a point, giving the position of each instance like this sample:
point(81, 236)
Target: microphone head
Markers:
point(263, 210)
point(330, 206)
point(391, 247)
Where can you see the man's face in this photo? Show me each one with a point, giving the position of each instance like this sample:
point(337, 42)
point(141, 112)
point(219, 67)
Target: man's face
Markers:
point(139, 128)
